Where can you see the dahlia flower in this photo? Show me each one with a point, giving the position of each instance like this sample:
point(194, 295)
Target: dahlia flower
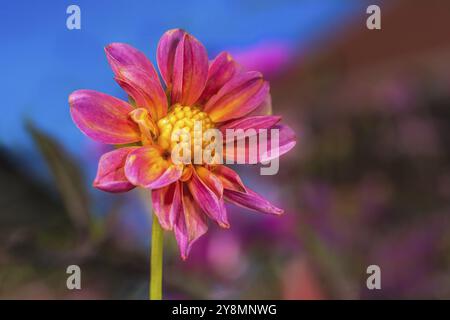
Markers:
point(218, 94)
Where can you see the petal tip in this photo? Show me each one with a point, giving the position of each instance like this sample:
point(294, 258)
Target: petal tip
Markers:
point(75, 95)
point(224, 225)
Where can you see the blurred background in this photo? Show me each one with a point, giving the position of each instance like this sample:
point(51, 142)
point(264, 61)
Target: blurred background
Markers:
point(368, 182)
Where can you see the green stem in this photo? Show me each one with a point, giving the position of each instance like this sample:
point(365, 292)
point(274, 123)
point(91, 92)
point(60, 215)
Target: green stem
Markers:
point(156, 261)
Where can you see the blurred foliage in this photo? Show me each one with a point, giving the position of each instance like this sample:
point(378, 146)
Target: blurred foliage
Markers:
point(67, 177)
point(41, 235)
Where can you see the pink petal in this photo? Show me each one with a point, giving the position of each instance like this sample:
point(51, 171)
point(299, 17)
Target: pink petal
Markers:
point(238, 97)
point(251, 200)
point(165, 54)
point(147, 168)
point(137, 76)
point(167, 204)
point(235, 192)
point(208, 201)
point(221, 70)
point(183, 63)
point(210, 180)
point(264, 109)
point(190, 224)
point(122, 55)
point(254, 122)
point(103, 118)
point(110, 174)
point(190, 71)
point(229, 178)
point(145, 91)
point(286, 142)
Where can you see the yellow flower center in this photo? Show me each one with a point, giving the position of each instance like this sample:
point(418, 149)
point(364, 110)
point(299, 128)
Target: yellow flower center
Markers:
point(181, 121)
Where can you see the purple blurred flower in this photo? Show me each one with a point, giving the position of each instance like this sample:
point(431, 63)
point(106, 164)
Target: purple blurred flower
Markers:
point(270, 58)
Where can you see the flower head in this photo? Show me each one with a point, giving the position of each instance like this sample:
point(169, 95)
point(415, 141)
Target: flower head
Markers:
point(216, 95)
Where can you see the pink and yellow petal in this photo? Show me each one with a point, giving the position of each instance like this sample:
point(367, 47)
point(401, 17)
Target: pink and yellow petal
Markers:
point(191, 222)
point(147, 92)
point(229, 178)
point(245, 123)
point(286, 141)
point(210, 179)
point(110, 174)
point(261, 151)
point(238, 97)
point(264, 109)
point(146, 167)
point(190, 71)
point(183, 63)
point(146, 125)
point(208, 200)
point(103, 118)
point(221, 70)
point(165, 54)
point(121, 56)
point(167, 204)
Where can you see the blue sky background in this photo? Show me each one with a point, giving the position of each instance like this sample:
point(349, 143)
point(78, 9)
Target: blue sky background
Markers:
point(43, 62)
